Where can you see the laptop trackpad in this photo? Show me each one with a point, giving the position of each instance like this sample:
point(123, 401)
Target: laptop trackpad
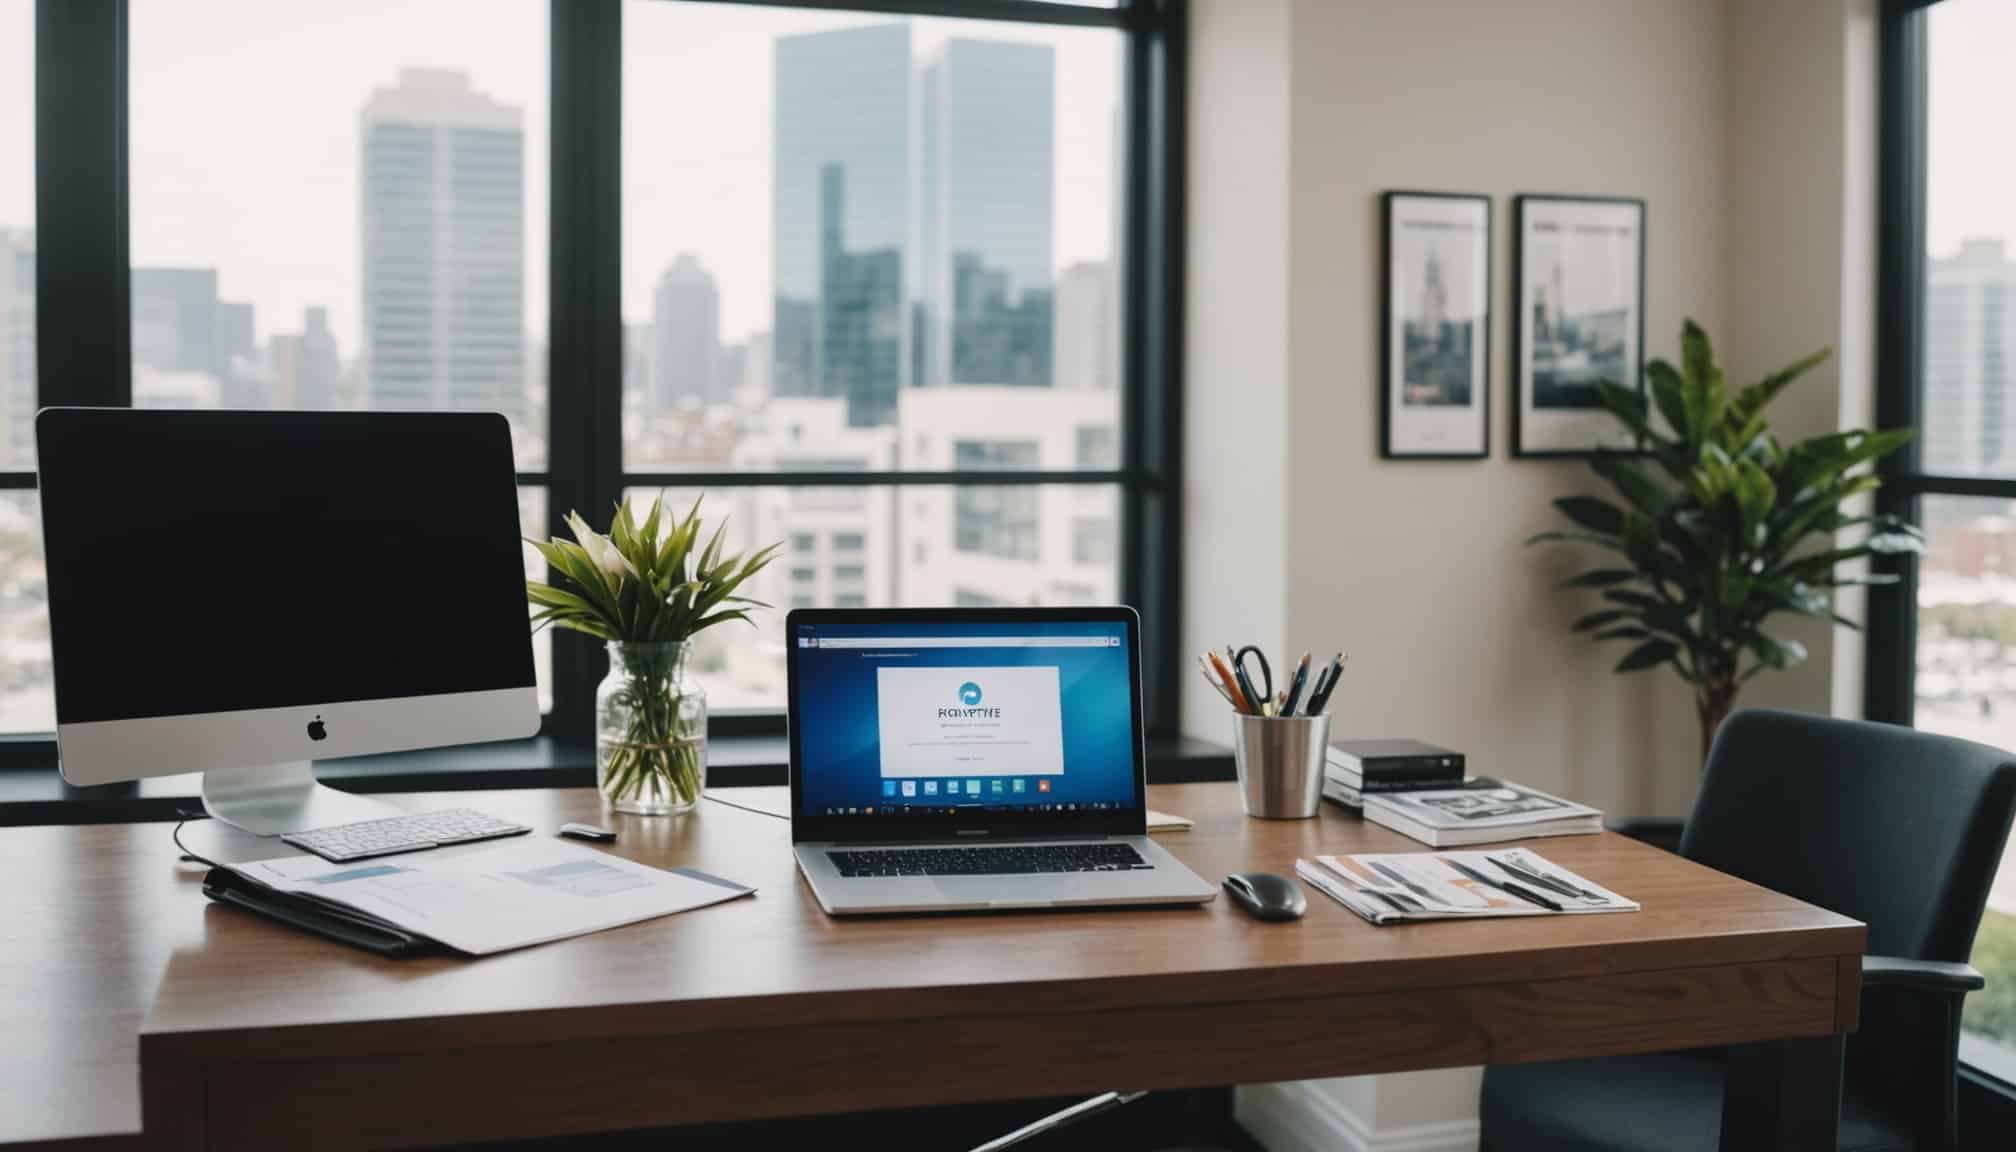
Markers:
point(1006, 889)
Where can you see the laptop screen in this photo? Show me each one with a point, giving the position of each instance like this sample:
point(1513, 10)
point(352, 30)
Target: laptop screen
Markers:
point(995, 719)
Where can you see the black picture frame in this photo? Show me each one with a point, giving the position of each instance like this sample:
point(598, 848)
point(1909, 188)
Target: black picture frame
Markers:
point(1531, 438)
point(1430, 442)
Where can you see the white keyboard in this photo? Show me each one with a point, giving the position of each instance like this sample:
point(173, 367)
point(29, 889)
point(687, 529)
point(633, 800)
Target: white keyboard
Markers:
point(397, 834)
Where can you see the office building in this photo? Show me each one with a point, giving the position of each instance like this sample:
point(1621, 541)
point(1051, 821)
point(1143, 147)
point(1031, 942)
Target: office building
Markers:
point(1087, 356)
point(1004, 545)
point(986, 168)
point(686, 326)
point(443, 217)
point(17, 347)
point(304, 368)
point(1970, 360)
point(841, 546)
point(180, 325)
point(841, 216)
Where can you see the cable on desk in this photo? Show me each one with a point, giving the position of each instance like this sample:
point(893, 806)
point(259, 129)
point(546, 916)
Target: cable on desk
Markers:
point(745, 807)
point(189, 857)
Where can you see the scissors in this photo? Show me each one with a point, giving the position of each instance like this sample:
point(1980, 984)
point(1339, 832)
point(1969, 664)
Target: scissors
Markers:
point(1262, 701)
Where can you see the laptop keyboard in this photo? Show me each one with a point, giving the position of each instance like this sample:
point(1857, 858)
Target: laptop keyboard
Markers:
point(993, 860)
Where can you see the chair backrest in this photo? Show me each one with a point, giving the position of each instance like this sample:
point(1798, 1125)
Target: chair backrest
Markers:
point(1903, 830)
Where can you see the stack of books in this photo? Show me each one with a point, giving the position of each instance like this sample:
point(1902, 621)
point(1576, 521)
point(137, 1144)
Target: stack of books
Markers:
point(1420, 790)
point(1355, 768)
point(1481, 810)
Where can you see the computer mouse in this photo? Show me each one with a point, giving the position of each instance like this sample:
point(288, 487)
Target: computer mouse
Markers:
point(1267, 896)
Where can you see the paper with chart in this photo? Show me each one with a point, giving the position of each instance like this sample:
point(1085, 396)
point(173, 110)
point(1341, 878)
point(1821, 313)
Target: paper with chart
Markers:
point(499, 895)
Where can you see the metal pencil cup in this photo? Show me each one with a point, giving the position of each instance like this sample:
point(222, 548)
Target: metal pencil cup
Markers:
point(1280, 760)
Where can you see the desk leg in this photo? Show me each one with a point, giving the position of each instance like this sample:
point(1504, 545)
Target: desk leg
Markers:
point(1785, 1094)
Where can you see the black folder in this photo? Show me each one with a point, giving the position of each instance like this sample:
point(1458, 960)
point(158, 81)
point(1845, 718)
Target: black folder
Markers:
point(326, 919)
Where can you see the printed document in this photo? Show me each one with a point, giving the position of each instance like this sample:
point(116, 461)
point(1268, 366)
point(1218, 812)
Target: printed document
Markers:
point(498, 895)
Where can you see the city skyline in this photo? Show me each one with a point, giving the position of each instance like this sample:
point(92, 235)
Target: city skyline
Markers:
point(223, 182)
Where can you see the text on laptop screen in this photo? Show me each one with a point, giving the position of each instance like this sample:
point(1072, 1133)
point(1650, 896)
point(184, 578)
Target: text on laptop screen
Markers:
point(932, 718)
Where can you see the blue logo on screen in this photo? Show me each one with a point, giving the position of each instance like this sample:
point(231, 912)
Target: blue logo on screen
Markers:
point(969, 694)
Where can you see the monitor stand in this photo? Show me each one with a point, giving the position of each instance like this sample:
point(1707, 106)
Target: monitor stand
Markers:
point(273, 799)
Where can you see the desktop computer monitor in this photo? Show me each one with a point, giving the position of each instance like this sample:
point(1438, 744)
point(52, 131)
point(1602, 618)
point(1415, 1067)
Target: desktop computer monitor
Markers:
point(239, 593)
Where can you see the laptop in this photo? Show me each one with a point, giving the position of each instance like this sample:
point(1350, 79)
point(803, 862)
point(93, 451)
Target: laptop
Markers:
point(956, 759)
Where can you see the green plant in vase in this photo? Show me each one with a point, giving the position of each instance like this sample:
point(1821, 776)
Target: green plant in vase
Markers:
point(646, 590)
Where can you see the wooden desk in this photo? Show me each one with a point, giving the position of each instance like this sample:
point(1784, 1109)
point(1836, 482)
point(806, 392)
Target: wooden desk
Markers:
point(765, 1007)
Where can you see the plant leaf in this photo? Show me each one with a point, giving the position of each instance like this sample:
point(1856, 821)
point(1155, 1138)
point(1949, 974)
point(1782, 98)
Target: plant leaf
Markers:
point(1600, 578)
point(1647, 655)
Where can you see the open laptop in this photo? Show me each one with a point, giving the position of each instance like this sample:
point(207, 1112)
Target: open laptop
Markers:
point(963, 759)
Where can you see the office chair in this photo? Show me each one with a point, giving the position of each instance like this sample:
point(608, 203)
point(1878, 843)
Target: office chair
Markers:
point(1900, 829)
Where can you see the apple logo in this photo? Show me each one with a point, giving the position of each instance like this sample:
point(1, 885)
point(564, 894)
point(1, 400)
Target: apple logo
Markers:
point(317, 730)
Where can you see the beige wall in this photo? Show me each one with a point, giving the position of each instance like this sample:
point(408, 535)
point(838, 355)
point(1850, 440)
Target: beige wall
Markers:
point(1455, 629)
point(1746, 125)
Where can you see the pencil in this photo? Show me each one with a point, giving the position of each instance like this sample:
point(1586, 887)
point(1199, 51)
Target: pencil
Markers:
point(1211, 678)
point(1225, 675)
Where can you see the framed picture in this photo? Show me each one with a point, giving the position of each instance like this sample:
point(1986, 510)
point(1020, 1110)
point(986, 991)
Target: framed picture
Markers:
point(1579, 294)
point(1435, 400)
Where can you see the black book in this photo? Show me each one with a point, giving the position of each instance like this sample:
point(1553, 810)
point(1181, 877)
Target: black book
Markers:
point(1383, 765)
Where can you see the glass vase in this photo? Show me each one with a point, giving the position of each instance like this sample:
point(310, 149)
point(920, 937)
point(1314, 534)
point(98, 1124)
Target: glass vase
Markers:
point(650, 730)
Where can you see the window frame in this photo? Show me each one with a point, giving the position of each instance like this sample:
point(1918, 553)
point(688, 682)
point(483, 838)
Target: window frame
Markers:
point(1890, 664)
point(84, 329)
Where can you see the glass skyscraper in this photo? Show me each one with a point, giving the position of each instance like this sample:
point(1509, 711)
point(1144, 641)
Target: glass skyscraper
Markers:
point(987, 164)
point(842, 215)
point(444, 247)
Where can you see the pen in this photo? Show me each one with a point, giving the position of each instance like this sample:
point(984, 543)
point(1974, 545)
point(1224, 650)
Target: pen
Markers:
point(1253, 702)
point(1322, 699)
point(1295, 686)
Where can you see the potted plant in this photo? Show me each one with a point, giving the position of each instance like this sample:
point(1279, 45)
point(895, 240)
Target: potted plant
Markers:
point(646, 590)
point(1718, 528)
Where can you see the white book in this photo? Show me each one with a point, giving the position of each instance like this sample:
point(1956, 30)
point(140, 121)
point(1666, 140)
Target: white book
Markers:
point(1390, 887)
point(1483, 810)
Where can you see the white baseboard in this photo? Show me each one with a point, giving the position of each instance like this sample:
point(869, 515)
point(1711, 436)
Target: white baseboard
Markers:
point(1296, 1117)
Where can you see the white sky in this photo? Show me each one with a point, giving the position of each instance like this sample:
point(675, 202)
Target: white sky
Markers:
point(244, 136)
point(1970, 160)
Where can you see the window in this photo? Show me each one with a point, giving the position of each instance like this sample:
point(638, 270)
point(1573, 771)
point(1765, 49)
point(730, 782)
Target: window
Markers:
point(382, 245)
point(1099, 446)
point(1093, 539)
point(888, 234)
point(1943, 646)
point(27, 702)
point(886, 263)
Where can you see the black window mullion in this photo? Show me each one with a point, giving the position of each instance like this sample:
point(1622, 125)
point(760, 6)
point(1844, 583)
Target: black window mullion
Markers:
point(1889, 686)
point(83, 327)
point(1152, 317)
point(586, 366)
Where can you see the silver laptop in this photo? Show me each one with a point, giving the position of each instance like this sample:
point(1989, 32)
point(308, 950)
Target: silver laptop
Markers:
point(963, 759)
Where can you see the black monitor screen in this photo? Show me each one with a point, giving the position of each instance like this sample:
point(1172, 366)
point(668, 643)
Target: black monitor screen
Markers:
point(220, 561)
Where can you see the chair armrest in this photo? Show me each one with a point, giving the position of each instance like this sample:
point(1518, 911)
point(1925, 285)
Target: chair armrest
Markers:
point(1919, 975)
point(1658, 831)
point(1914, 1007)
